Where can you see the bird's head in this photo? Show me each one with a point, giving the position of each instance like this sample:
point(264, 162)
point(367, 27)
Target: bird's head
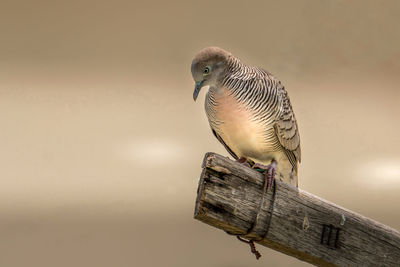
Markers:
point(209, 67)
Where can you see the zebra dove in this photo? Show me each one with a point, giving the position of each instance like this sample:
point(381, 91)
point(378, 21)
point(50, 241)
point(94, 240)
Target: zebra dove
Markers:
point(249, 112)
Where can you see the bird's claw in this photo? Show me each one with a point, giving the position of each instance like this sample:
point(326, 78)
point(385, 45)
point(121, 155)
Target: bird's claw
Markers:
point(244, 162)
point(269, 172)
point(260, 167)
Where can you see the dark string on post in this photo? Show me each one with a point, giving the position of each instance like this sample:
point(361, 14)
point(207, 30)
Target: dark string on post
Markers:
point(250, 230)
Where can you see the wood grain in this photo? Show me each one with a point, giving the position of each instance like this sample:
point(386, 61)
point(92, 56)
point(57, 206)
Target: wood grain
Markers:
point(290, 220)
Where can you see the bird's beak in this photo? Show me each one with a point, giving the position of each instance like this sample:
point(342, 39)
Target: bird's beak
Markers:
point(197, 87)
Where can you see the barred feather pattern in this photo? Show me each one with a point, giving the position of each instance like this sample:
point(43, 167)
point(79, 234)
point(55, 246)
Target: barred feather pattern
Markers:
point(268, 102)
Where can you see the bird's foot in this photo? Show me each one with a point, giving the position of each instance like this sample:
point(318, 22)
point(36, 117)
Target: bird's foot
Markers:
point(269, 172)
point(260, 167)
point(243, 161)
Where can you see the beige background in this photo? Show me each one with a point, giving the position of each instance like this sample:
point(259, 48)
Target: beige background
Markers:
point(101, 142)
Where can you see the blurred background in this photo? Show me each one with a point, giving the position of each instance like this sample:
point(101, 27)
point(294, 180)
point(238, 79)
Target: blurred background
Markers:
point(101, 142)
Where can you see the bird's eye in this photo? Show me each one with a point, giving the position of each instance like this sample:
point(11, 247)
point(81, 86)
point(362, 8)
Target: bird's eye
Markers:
point(206, 70)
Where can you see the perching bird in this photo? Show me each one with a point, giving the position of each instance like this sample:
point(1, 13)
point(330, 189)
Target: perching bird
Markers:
point(249, 112)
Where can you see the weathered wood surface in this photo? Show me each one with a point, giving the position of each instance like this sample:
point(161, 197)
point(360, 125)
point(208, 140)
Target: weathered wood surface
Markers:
point(291, 221)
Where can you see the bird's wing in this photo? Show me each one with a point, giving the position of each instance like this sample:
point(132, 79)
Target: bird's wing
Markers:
point(286, 129)
point(225, 145)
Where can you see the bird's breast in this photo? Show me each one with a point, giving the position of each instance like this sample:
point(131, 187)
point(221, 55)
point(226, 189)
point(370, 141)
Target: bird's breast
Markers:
point(237, 126)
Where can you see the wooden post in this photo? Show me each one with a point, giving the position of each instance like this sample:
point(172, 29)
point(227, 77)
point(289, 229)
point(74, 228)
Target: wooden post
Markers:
point(290, 220)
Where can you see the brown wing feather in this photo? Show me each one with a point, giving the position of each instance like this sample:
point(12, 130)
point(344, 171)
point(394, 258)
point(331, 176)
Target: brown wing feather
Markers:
point(287, 131)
